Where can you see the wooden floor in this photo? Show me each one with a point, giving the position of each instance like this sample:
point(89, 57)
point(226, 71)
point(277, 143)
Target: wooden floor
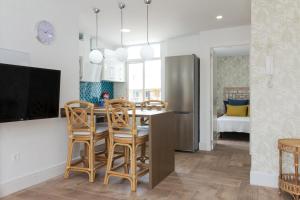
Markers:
point(221, 174)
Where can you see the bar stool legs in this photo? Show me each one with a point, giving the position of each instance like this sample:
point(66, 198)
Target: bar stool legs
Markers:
point(92, 173)
point(126, 159)
point(133, 169)
point(109, 161)
point(129, 165)
point(89, 163)
point(69, 158)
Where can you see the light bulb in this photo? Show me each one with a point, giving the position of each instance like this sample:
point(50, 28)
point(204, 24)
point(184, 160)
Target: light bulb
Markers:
point(96, 56)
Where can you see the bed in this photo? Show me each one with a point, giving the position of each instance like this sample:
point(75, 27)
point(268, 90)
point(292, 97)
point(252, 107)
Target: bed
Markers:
point(233, 124)
point(230, 123)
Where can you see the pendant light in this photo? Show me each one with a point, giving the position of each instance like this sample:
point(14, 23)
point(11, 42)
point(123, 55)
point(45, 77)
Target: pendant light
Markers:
point(147, 51)
point(122, 53)
point(96, 55)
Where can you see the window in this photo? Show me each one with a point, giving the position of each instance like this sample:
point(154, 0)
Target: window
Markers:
point(152, 87)
point(135, 82)
point(144, 77)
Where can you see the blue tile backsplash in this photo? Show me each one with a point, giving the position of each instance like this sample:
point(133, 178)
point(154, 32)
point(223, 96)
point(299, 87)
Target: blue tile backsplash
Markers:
point(91, 91)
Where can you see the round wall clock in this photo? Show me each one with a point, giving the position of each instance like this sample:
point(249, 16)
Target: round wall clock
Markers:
point(45, 32)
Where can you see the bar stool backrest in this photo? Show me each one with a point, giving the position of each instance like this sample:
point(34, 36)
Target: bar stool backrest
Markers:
point(118, 116)
point(80, 117)
point(154, 105)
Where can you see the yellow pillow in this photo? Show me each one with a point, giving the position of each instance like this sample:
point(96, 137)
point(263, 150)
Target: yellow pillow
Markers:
point(238, 111)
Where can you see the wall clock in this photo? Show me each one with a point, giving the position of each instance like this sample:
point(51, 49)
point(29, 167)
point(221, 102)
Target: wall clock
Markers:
point(45, 32)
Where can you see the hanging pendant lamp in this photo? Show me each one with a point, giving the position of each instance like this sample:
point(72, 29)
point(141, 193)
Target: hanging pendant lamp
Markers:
point(122, 53)
point(96, 55)
point(147, 51)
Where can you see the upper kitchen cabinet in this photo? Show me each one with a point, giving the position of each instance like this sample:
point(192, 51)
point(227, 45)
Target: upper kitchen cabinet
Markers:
point(113, 70)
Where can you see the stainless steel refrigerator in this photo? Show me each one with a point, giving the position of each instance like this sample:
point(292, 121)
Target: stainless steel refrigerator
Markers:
point(182, 81)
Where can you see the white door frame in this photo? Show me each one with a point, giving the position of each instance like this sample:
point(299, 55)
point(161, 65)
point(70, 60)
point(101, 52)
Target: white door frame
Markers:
point(212, 90)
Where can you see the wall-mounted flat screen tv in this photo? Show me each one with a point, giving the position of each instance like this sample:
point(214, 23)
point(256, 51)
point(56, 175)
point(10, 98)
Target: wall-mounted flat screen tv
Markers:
point(28, 93)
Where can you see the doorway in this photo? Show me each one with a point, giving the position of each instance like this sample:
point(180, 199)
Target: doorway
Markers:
point(230, 120)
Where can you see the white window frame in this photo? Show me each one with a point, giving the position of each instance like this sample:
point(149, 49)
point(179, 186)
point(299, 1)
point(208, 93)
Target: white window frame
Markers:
point(136, 61)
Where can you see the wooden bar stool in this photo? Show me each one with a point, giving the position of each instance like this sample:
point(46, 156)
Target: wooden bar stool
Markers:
point(289, 181)
point(152, 105)
point(124, 132)
point(144, 121)
point(82, 129)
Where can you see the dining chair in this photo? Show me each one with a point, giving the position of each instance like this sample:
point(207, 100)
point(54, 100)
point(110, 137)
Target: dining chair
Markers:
point(123, 131)
point(83, 129)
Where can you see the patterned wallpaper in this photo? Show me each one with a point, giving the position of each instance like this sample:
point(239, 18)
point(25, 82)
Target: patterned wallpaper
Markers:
point(232, 71)
point(275, 108)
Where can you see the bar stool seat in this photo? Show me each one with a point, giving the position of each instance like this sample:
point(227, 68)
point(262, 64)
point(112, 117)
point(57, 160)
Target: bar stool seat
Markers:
point(143, 127)
point(140, 133)
point(101, 128)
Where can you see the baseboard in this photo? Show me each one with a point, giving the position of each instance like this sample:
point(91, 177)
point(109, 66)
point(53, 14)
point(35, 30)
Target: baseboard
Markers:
point(204, 147)
point(26, 181)
point(263, 179)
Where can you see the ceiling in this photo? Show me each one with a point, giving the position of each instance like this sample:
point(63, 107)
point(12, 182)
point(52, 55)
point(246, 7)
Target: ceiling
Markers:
point(240, 50)
point(167, 18)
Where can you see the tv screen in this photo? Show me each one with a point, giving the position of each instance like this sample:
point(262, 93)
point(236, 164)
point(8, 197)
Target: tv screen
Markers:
point(28, 93)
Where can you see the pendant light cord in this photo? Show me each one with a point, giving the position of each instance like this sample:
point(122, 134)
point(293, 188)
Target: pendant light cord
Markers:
point(148, 24)
point(96, 30)
point(122, 27)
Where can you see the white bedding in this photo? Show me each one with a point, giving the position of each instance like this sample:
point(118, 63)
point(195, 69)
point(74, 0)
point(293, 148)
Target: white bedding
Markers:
point(233, 124)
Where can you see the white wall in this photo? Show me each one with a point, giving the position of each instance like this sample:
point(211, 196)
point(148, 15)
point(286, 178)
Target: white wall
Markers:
point(41, 143)
point(201, 44)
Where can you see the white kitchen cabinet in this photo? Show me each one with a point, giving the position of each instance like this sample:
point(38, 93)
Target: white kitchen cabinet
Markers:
point(113, 70)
